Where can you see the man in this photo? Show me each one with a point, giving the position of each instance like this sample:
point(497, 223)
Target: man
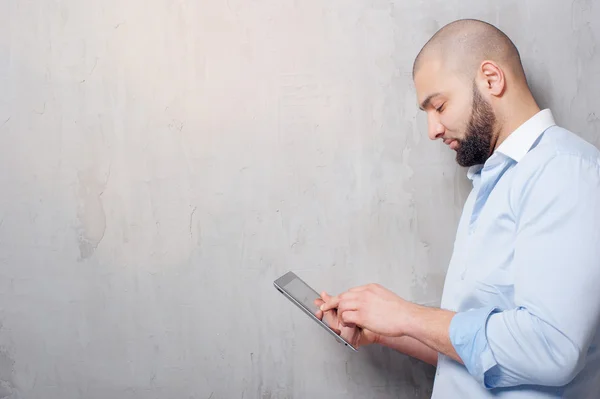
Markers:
point(521, 302)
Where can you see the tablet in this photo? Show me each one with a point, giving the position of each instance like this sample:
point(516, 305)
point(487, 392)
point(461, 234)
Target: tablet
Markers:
point(303, 296)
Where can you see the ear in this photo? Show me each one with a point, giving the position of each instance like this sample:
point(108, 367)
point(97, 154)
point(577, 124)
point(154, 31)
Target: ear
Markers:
point(492, 77)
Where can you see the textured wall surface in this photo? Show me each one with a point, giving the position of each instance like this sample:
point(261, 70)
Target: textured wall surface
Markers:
point(162, 162)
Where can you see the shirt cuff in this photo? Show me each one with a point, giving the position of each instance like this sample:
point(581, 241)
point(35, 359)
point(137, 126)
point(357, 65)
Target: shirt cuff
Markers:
point(468, 336)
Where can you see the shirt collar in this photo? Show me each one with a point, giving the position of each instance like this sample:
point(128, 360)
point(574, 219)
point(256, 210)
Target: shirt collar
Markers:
point(473, 170)
point(520, 141)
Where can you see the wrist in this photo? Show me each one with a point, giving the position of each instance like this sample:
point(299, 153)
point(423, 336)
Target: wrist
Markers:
point(410, 319)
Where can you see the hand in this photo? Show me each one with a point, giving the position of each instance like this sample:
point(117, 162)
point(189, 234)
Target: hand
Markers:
point(356, 336)
point(370, 307)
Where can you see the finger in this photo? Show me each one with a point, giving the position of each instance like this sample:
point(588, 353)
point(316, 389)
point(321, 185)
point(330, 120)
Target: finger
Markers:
point(351, 317)
point(347, 325)
point(336, 330)
point(319, 314)
point(325, 296)
point(347, 305)
point(332, 303)
point(330, 317)
point(318, 302)
point(342, 323)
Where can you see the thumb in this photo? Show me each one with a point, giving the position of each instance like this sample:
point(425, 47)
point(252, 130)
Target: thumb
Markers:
point(325, 296)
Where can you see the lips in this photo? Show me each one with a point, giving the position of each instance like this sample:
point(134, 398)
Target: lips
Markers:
point(452, 143)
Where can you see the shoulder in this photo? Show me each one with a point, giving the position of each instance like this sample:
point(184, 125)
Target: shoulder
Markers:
point(559, 143)
point(560, 162)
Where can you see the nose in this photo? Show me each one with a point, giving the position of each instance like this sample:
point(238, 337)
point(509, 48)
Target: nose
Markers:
point(435, 129)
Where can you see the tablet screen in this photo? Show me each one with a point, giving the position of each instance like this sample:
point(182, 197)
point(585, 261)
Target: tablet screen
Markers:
point(302, 293)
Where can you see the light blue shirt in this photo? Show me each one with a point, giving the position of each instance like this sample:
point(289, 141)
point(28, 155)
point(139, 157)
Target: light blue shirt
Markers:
point(525, 272)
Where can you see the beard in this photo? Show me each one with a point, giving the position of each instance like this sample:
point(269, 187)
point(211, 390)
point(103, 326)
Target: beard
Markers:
point(476, 147)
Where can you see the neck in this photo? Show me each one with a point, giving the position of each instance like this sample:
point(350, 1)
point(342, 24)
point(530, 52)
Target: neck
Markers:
point(521, 109)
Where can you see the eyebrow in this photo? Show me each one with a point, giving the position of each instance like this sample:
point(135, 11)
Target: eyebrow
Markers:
point(427, 101)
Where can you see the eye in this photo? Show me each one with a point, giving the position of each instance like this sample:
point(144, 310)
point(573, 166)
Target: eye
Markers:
point(440, 108)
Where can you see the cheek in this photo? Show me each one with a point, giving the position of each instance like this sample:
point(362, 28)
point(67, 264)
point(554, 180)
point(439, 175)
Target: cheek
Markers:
point(455, 123)
point(450, 122)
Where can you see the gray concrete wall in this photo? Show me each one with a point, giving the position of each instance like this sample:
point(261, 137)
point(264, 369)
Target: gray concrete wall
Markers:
point(162, 162)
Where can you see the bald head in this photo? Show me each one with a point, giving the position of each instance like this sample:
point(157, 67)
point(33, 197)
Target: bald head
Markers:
point(471, 84)
point(463, 45)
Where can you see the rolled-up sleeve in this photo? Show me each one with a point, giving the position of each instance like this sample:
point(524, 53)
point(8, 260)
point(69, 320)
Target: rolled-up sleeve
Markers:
point(545, 338)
